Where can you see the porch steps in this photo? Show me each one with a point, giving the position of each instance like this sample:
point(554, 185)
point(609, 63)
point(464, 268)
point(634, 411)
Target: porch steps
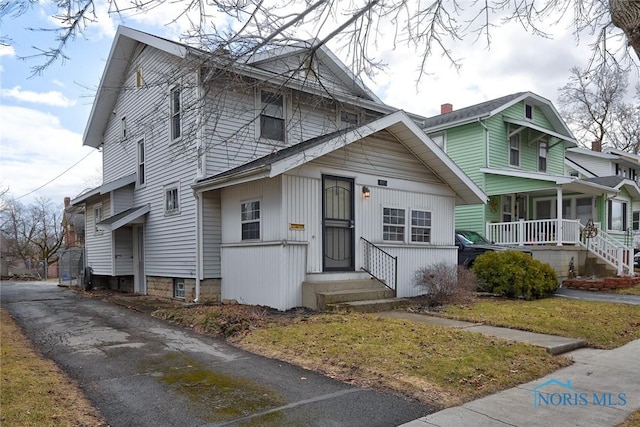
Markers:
point(368, 306)
point(352, 295)
point(330, 291)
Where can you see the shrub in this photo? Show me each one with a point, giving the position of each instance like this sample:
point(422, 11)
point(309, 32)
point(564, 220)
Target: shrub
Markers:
point(444, 283)
point(515, 274)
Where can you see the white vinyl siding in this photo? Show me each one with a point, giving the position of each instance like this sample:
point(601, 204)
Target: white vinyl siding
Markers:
point(98, 246)
point(122, 199)
point(123, 251)
point(211, 233)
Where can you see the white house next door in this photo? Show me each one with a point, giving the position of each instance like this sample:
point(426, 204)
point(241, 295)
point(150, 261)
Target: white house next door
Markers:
point(337, 223)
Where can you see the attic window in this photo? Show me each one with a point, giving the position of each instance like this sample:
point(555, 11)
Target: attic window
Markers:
point(123, 128)
point(528, 111)
point(348, 119)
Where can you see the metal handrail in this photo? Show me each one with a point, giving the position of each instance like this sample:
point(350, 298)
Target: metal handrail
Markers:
point(380, 264)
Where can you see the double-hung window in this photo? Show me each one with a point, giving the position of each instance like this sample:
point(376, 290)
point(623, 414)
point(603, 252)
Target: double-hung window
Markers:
point(542, 156)
point(617, 211)
point(420, 226)
point(141, 160)
point(635, 225)
point(271, 116)
point(250, 220)
point(97, 216)
point(393, 223)
point(514, 150)
point(528, 111)
point(176, 113)
point(172, 199)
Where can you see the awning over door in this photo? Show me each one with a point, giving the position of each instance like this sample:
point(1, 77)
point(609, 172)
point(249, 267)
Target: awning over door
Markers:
point(128, 217)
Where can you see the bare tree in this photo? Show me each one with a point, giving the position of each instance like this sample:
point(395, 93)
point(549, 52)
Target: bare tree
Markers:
point(32, 233)
point(431, 26)
point(593, 105)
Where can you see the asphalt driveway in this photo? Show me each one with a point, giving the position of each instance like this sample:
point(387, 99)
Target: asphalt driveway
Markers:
point(140, 371)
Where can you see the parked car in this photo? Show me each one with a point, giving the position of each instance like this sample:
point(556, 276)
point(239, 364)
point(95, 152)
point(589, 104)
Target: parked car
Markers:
point(471, 244)
point(636, 260)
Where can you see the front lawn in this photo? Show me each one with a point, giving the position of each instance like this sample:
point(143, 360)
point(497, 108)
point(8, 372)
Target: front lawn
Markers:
point(438, 366)
point(634, 290)
point(601, 324)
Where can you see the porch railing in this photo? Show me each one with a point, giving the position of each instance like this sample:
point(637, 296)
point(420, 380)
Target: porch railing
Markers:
point(532, 232)
point(565, 231)
point(381, 265)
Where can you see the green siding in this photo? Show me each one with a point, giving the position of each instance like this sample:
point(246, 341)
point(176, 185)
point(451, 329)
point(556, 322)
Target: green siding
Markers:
point(466, 147)
point(471, 217)
point(498, 184)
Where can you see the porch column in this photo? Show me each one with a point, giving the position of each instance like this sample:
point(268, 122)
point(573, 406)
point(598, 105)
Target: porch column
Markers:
point(559, 231)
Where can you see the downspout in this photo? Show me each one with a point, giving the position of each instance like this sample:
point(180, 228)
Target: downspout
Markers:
point(198, 244)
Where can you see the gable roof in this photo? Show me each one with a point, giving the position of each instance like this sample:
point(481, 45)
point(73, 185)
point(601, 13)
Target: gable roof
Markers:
point(399, 124)
point(127, 40)
point(493, 107)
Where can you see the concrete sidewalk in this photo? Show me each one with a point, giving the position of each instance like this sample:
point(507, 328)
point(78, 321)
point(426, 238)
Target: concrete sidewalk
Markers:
point(602, 388)
point(554, 344)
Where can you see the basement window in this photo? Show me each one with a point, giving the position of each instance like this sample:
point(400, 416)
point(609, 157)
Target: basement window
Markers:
point(178, 288)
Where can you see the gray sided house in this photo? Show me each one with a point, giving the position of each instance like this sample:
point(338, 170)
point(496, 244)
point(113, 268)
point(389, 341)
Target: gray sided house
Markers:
point(514, 149)
point(244, 178)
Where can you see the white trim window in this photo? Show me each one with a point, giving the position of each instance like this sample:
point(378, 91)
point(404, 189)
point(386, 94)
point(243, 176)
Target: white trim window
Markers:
point(172, 199)
point(178, 288)
point(393, 224)
point(635, 222)
point(142, 178)
point(271, 116)
point(528, 111)
point(175, 99)
point(348, 119)
point(514, 150)
point(97, 217)
point(420, 226)
point(250, 220)
point(123, 128)
point(617, 215)
point(542, 156)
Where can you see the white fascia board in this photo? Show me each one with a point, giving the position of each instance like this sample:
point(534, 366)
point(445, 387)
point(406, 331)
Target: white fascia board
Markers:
point(556, 179)
point(118, 183)
point(574, 165)
point(538, 128)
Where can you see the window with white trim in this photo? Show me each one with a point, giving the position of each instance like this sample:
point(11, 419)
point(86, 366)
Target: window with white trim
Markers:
point(420, 226)
point(141, 163)
point(528, 111)
point(172, 199)
point(123, 128)
point(250, 220)
point(514, 150)
point(393, 224)
point(542, 156)
point(271, 116)
point(617, 218)
point(349, 119)
point(635, 222)
point(178, 288)
point(97, 216)
point(176, 113)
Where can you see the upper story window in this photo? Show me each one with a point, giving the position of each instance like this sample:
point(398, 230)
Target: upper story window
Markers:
point(393, 223)
point(250, 220)
point(142, 179)
point(271, 116)
point(172, 199)
point(420, 226)
point(514, 150)
point(139, 78)
point(123, 128)
point(528, 111)
point(97, 216)
point(176, 113)
point(348, 119)
point(542, 156)
point(635, 224)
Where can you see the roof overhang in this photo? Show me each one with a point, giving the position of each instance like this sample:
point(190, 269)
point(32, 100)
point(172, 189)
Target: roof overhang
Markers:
point(105, 188)
point(128, 217)
point(525, 124)
point(399, 124)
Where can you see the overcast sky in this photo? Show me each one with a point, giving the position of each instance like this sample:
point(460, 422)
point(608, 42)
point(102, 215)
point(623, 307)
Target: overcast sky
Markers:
point(42, 118)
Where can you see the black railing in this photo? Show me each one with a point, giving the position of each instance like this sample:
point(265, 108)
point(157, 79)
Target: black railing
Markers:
point(380, 264)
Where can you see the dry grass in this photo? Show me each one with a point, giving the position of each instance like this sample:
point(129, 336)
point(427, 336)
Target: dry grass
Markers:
point(35, 392)
point(438, 366)
point(632, 420)
point(601, 324)
point(634, 290)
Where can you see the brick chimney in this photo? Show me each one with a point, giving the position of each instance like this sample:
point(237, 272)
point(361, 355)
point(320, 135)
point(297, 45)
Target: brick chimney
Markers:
point(596, 145)
point(446, 108)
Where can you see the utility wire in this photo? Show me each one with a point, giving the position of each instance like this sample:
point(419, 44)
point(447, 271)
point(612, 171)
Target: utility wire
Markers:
point(50, 181)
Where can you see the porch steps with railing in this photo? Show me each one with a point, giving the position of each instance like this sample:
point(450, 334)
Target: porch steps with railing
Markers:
point(353, 291)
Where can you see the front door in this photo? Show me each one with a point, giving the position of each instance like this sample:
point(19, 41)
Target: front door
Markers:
point(337, 224)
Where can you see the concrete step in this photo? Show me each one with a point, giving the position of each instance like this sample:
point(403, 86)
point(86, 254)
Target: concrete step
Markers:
point(348, 295)
point(369, 306)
